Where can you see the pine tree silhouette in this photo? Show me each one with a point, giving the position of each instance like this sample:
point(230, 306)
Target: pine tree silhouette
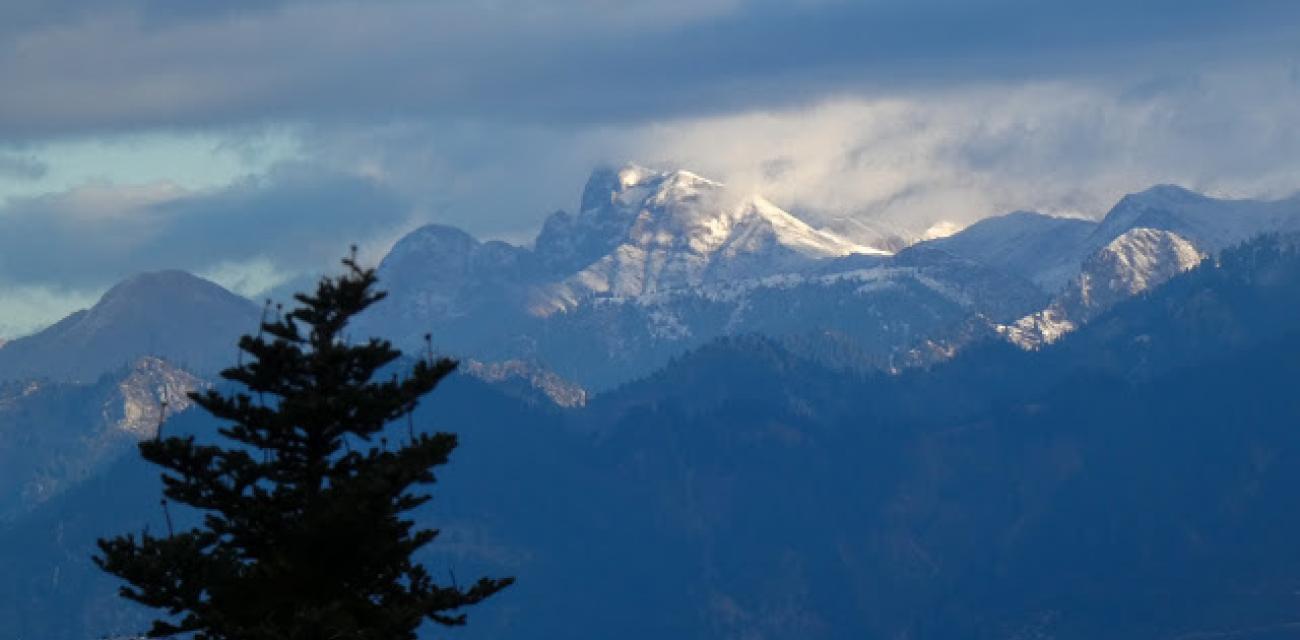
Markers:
point(305, 534)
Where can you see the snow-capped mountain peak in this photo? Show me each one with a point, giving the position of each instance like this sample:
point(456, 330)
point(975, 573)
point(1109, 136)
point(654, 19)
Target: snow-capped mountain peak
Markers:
point(631, 183)
point(800, 236)
point(642, 231)
point(1136, 261)
point(1209, 223)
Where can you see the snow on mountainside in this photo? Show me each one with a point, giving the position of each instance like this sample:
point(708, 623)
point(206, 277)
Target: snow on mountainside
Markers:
point(1136, 261)
point(642, 231)
point(655, 263)
point(879, 316)
point(1031, 245)
point(1145, 239)
point(1211, 224)
point(659, 262)
point(638, 231)
point(1052, 251)
point(1168, 501)
point(873, 233)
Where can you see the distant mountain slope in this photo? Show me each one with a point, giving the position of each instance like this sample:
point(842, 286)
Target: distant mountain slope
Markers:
point(1145, 467)
point(53, 435)
point(182, 318)
point(1143, 240)
point(50, 589)
point(1238, 299)
point(1134, 262)
point(642, 231)
point(1051, 251)
point(1031, 245)
point(1212, 224)
point(1138, 479)
point(638, 232)
point(658, 262)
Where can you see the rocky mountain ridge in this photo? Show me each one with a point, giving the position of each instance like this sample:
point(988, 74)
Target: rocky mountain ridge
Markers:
point(656, 263)
point(1144, 240)
point(1141, 467)
point(53, 434)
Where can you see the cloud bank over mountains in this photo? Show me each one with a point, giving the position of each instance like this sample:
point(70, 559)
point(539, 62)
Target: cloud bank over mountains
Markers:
point(185, 64)
point(490, 115)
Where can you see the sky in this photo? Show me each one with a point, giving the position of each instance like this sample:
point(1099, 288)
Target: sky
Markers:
point(253, 142)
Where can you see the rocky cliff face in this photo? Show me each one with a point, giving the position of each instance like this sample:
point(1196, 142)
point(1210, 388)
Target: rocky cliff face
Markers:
point(658, 262)
point(1134, 262)
point(1004, 494)
point(55, 434)
point(649, 231)
point(150, 394)
point(528, 382)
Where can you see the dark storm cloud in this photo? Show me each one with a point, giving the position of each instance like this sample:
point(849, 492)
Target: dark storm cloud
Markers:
point(90, 237)
point(103, 66)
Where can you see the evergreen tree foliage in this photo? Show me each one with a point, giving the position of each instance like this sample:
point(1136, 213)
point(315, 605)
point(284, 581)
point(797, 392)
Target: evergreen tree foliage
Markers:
point(306, 531)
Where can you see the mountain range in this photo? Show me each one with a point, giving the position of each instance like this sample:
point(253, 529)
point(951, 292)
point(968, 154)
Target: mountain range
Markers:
point(657, 263)
point(1133, 479)
point(1037, 427)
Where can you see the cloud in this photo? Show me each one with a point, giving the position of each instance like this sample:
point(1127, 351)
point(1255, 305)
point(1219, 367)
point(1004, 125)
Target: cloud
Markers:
point(21, 167)
point(30, 308)
point(908, 162)
point(965, 154)
point(293, 219)
point(376, 116)
point(905, 163)
point(122, 64)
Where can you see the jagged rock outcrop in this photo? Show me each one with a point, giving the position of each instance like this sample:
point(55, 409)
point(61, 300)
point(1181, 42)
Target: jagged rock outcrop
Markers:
point(1132, 263)
point(153, 391)
point(658, 262)
point(55, 434)
point(526, 381)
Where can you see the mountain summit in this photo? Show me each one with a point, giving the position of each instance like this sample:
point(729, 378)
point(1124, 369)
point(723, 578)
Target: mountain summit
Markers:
point(655, 263)
point(180, 317)
point(637, 231)
point(641, 231)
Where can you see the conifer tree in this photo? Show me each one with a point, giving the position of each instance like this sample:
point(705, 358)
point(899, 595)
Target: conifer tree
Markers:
point(306, 532)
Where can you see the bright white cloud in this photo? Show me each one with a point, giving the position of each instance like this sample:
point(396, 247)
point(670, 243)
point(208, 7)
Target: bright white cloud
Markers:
point(911, 161)
point(1060, 148)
